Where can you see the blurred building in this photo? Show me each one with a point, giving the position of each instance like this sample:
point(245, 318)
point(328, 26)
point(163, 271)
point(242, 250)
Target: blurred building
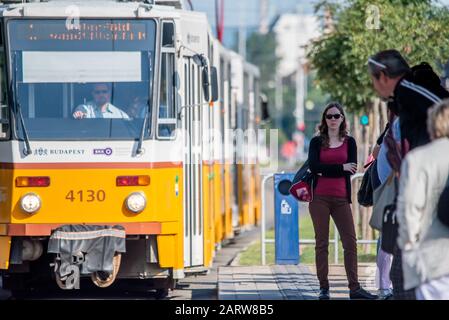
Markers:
point(248, 16)
point(294, 23)
point(293, 32)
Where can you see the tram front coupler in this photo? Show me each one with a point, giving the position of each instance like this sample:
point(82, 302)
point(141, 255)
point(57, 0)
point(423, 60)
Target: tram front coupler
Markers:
point(83, 250)
point(68, 274)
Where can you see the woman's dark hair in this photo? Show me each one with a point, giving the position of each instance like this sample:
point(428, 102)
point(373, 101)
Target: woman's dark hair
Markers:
point(323, 129)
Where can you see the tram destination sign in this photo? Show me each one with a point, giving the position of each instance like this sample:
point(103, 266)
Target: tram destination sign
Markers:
point(57, 30)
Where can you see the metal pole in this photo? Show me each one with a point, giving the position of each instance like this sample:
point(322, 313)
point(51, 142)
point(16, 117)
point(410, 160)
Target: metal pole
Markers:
point(262, 232)
point(278, 100)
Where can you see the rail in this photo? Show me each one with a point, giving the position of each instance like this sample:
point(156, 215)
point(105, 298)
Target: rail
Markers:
point(334, 241)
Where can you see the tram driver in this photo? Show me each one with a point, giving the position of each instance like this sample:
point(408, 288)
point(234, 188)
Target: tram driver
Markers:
point(101, 106)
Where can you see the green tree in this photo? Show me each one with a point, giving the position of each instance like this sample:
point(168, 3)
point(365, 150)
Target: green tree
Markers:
point(417, 29)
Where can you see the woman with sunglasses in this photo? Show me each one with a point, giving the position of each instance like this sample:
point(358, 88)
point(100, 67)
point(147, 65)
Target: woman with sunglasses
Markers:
point(332, 160)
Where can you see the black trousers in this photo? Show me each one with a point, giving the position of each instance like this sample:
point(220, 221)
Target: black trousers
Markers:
point(397, 278)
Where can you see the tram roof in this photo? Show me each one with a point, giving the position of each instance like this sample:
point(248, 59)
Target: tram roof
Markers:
point(92, 9)
point(110, 9)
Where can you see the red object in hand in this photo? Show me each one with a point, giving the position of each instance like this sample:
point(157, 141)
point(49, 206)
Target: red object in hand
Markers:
point(302, 191)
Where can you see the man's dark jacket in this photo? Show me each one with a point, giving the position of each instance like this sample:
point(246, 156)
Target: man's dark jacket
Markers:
point(412, 102)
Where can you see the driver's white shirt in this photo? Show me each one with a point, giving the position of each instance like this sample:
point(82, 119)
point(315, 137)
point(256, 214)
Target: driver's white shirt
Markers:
point(92, 111)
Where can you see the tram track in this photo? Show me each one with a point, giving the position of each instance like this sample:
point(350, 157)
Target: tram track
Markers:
point(193, 287)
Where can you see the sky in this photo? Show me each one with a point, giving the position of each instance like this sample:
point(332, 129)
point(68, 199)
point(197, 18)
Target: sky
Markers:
point(246, 12)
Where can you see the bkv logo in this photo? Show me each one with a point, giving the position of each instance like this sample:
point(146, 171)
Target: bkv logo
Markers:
point(40, 152)
point(106, 151)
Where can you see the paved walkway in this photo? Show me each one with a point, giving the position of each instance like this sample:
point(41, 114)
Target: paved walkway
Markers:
point(277, 282)
point(286, 282)
point(204, 287)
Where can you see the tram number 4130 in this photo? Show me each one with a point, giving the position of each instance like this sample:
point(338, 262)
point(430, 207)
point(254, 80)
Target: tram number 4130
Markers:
point(86, 195)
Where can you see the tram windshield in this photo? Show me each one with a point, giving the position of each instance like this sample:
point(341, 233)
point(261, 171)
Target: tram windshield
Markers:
point(86, 80)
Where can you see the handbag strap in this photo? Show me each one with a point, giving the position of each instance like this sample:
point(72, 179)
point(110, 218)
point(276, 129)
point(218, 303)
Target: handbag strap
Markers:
point(394, 153)
point(368, 164)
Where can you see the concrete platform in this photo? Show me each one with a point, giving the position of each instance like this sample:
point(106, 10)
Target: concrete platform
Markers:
point(277, 282)
point(286, 282)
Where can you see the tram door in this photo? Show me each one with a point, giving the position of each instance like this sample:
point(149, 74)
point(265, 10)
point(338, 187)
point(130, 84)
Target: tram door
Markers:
point(193, 209)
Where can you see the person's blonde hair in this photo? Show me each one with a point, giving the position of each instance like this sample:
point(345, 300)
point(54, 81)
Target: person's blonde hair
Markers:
point(438, 120)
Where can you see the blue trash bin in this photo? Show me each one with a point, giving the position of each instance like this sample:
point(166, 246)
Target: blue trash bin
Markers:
point(286, 224)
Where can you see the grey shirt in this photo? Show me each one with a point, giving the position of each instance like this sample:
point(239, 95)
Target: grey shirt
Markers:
point(424, 240)
point(92, 111)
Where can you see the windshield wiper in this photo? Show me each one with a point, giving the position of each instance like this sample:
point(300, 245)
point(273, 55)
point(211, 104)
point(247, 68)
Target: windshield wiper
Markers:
point(28, 150)
point(142, 132)
point(139, 150)
point(14, 89)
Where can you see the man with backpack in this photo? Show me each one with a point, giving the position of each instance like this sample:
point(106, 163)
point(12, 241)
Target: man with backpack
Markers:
point(410, 92)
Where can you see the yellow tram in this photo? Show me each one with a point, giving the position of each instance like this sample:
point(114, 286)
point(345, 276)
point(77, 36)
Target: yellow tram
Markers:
point(106, 171)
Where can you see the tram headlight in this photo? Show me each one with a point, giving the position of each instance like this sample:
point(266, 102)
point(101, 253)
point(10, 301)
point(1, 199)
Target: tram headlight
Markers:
point(136, 202)
point(30, 203)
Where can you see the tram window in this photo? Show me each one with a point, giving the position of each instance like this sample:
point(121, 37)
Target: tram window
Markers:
point(4, 111)
point(222, 102)
point(167, 106)
point(256, 97)
point(4, 114)
point(107, 81)
point(231, 113)
point(168, 34)
point(246, 89)
point(222, 80)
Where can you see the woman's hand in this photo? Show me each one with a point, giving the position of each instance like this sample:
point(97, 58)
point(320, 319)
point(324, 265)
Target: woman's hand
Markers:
point(350, 167)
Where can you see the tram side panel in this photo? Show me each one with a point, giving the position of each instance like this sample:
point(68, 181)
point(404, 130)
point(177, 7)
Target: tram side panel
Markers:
point(194, 38)
point(257, 122)
point(227, 157)
point(217, 179)
point(208, 188)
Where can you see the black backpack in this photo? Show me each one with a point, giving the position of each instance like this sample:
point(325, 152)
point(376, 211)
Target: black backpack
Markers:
point(365, 193)
point(422, 74)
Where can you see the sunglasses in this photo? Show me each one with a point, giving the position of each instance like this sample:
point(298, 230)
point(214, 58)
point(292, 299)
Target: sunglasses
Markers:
point(101, 91)
point(335, 116)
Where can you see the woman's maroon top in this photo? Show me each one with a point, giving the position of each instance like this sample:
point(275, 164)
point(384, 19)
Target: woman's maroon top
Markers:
point(328, 186)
